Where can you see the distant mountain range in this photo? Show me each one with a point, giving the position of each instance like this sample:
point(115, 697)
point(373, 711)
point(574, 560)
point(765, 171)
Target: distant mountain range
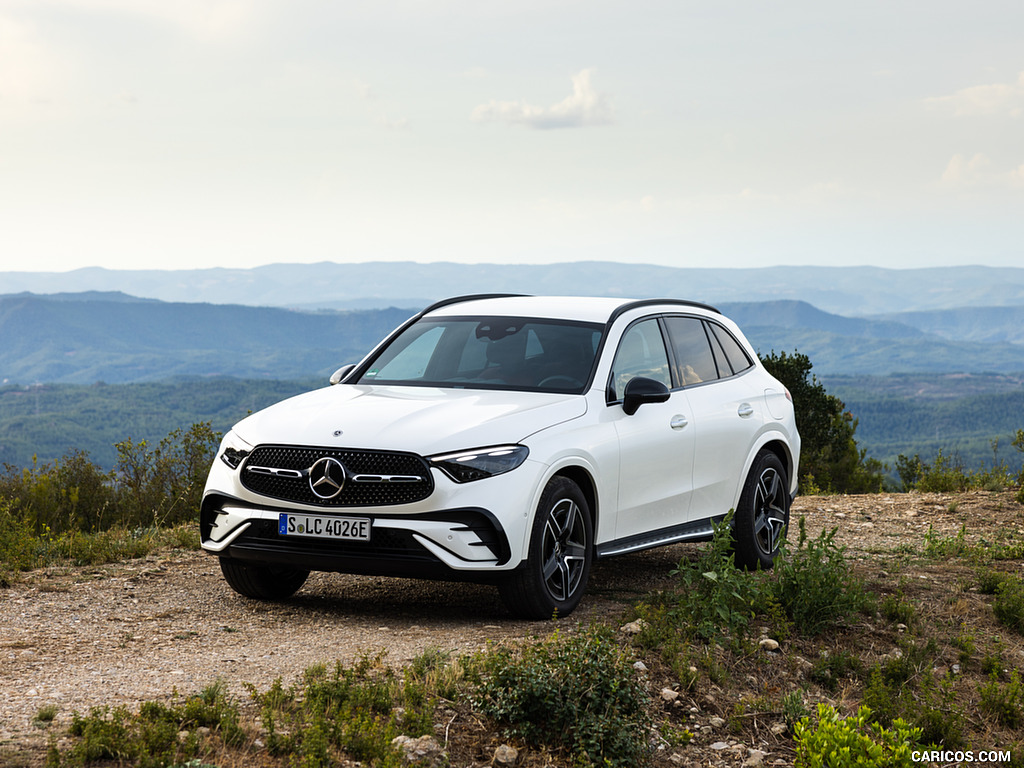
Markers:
point(115, 338)
point(849, 291)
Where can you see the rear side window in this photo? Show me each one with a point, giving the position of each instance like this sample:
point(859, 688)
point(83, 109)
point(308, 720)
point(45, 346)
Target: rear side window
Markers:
point(694, 362)
point(729, 353)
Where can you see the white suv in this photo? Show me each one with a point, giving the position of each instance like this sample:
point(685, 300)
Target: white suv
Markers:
point(512, 440)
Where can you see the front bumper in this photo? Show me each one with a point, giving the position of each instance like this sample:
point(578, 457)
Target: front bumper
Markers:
point(462, 531)
point(450, 544)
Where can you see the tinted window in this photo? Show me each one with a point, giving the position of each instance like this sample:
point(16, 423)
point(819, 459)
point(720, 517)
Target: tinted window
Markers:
point(641, 353)
point(693, 360)
point(735, 357)
point(490, 353)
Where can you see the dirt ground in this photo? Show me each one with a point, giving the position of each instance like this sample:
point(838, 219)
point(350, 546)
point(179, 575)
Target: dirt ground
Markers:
point(122, 634)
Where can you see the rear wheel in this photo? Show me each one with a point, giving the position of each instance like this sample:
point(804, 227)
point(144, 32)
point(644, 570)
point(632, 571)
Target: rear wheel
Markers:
point(554, 576)
point(759, 524)
point(262, 582)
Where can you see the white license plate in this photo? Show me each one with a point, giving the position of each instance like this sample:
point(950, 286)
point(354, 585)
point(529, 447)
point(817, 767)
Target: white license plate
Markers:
point(322, 527)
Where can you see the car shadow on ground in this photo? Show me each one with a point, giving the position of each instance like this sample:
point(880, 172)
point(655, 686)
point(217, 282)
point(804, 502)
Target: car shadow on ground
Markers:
point(615, 583)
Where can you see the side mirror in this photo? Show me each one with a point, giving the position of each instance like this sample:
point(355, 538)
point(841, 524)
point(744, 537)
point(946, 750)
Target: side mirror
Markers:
point(641, 390)
point(341, 373)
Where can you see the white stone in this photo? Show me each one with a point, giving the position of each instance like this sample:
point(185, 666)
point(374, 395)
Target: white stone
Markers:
point(505, 756)
point(634, 627)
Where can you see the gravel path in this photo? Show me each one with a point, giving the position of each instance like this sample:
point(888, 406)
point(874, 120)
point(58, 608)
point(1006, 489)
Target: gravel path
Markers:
point(121, 634)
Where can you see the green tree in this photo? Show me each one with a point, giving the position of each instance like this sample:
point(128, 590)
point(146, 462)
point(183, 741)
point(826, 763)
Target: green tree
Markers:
point(829, 457)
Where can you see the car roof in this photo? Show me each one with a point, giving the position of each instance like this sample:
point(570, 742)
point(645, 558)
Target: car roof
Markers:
point(593, 309)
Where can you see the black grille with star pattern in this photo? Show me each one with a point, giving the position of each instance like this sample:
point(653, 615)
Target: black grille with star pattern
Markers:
point(356, 462)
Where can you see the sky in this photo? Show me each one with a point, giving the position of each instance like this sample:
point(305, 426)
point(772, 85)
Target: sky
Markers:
point(230, 133)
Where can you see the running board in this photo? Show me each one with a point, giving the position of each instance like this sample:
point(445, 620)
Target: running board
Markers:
point(698, 530)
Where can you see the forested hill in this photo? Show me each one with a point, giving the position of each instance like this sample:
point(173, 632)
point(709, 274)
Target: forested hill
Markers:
point(113, 338)
point(843, 290)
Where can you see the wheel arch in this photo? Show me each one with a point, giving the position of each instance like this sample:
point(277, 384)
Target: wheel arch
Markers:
point(785, 455)
point(585, 482)
point(780, 448)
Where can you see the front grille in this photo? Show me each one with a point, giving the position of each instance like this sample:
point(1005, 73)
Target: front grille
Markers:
point(387, 477)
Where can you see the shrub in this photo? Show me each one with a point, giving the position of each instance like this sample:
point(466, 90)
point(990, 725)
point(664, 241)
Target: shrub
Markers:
point(814, 584)
point(357, 709)
point(577, 693)
point(830, 668)
point(1003, 702)
point(1009, 603)
point(855, 741)
point(164, 485)
point(18, 548)
point(714, 597)
point(151, 738)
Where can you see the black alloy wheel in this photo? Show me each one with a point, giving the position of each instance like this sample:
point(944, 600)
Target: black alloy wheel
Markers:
point(762, 516)
point(554, 576)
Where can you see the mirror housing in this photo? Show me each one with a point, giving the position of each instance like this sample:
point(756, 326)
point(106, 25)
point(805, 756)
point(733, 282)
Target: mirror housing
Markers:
point(642, 390)
point(341, 373)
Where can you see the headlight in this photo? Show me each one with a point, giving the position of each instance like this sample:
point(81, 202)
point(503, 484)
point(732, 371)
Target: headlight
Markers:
point(466, 466)
point(233, 450)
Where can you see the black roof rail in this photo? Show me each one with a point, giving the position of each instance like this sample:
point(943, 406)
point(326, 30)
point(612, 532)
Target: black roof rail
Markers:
point(650, 302)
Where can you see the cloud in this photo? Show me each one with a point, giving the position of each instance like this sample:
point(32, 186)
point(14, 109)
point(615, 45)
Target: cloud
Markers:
point(966, 171)
point(585, 107)
point(1000, 99)
point(978, 172)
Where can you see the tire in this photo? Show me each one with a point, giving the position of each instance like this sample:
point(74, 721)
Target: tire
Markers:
point(262, 582)
point(554, 577)
point(762, 515)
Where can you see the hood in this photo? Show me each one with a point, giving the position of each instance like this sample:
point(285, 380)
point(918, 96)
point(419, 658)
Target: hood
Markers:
point(421, 420)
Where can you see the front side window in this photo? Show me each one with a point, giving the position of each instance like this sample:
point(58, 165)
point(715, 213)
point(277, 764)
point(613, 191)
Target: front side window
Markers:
point(490, 353)
point(641, 353)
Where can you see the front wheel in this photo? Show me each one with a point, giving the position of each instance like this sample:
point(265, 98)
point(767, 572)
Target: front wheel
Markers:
point(759, 525)
point(554, 576)
point(262, 582)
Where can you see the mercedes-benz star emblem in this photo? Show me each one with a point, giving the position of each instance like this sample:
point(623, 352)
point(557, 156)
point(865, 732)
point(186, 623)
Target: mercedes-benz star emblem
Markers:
point(326, 477)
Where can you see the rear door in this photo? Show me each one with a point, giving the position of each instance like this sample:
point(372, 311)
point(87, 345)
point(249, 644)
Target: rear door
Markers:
point(726, 414)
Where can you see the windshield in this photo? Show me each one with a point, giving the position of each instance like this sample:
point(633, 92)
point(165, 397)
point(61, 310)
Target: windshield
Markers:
point(490, 353)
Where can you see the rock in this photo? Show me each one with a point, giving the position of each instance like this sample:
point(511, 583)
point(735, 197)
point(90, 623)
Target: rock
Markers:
point(634, 627)
point(767, 644)
point(716, 722)
point(718, 746)
point(423, 751)
point(754, 759)
point(668, 695)
point(640, 666)
point(505, 756)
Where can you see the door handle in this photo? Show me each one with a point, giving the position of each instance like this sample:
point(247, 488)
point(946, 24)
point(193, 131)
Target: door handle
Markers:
point(745, 410)
point(678, 421)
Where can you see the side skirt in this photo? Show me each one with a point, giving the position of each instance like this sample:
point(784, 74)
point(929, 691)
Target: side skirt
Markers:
point(698, 530)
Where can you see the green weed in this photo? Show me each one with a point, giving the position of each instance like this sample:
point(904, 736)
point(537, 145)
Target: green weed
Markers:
point(574, 693)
